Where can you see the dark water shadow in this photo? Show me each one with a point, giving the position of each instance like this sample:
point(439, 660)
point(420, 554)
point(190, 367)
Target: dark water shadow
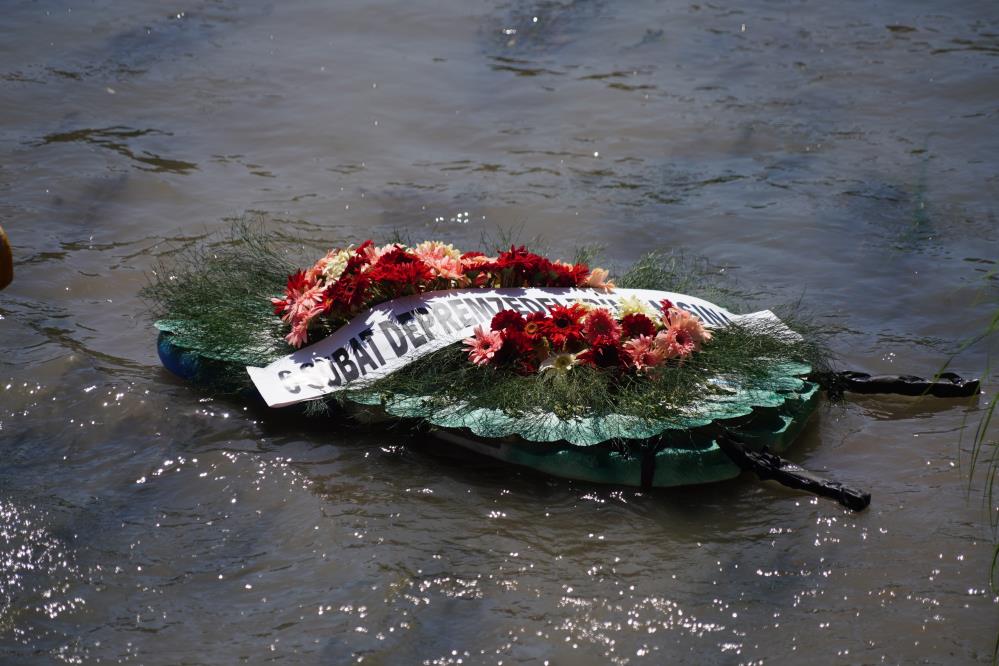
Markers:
point(118, 139)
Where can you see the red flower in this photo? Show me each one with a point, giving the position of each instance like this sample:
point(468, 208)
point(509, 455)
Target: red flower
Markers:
point(564, 327)
point(507, 319)
point(599, 327)
point(567, 275)
point(346, 296)
point(296, 286)
point(520, 268)
point(359, 260)
point(636, 324)
point(399, 272)
point(517, 349)
point(604, 356)
point(534, 325)
point(527, 365)
point(665, 305)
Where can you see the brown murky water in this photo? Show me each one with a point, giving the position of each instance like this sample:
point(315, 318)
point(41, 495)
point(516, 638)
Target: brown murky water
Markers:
point(844, 154)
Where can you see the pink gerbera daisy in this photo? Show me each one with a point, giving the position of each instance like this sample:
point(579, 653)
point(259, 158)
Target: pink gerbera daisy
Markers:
point(446, 267)
point(678, 342)
point(691, 325)
point(483, 345)
point(645, 352)
point(299, 334)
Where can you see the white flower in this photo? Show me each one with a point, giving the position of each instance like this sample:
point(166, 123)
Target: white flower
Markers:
point(633, 305)
point(335, 263)
point(558, 362)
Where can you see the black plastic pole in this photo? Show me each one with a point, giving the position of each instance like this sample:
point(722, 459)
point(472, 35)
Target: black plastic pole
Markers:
point(944, 385)
point(769, 466)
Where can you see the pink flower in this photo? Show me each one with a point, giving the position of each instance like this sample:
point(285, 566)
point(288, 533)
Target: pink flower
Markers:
point(301, 296)
point(373, 254)
point(598, 280)
point(300, 326)
point(428, 250)
point(446, 267)
point(677, 342)
point(299, 334)
point(645, 352)
point(691, 325)
point(483, 346)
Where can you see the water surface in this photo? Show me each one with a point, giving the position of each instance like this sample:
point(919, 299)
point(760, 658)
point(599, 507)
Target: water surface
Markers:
point(843, 155)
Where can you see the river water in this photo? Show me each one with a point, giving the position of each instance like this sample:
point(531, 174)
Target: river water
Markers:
point(841, 154)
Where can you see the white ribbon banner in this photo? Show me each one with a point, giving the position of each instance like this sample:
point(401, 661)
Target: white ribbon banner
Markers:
point(387, 337)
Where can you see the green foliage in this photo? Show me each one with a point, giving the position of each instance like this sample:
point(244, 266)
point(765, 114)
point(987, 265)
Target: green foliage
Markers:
point(680, 273)
point(215, 297)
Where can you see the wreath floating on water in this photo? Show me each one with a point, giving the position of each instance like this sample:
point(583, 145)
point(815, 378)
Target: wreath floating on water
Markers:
point(514, 348)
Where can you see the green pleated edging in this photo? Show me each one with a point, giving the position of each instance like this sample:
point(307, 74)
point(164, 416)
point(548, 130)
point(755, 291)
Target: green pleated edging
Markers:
point(682, 457)
point(726, 400)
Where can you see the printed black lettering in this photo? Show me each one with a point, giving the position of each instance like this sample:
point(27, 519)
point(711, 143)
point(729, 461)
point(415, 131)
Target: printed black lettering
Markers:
point(343, 363)
point(514, 304)
point(363, 358)
point(707, 315)
point(531, 305)
point(305, 369)
point(693, 309)
point(367, 337)
point(444, 317)
point(426, 321)
point(498, 302)
point(547, 302)
point(331, 373)
point(395, 337)
point(464, 316)
point(406, 319)
point(290, 388)
point(480, 309)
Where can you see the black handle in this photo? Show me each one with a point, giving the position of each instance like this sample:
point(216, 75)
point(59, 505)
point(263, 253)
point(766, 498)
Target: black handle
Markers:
point(944, 385)
point(770, 466)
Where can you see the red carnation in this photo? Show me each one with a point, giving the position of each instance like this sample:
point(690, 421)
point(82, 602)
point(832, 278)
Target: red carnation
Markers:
point(507, 319)
point(346, 296)
point(559, 275)
point(359, 259)
point(636, 324)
